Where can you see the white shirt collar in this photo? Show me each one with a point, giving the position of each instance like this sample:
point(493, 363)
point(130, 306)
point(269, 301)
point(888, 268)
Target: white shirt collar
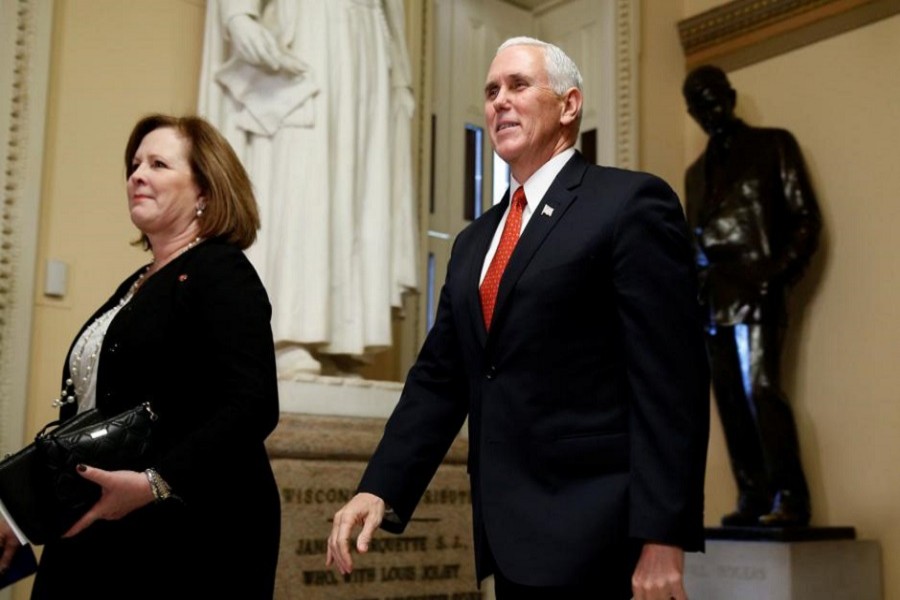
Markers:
point(535, 189)
point(538, 184)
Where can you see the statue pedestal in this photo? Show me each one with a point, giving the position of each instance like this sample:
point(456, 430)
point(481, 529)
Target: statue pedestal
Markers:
point(804, 563)
point(339, 396)
point(329, 428)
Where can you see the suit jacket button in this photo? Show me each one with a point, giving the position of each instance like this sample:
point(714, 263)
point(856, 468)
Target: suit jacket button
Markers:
point(491, 372)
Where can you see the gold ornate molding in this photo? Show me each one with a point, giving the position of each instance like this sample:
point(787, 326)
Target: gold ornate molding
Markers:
point(24, 68)
point(627, 24)
point(16, 71)
point(742, 32)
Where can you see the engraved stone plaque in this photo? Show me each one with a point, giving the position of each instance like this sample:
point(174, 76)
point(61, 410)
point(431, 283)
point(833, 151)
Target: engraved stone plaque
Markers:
point(317, 463)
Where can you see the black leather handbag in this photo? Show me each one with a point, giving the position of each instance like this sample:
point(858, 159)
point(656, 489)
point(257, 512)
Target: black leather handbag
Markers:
point(39, 485)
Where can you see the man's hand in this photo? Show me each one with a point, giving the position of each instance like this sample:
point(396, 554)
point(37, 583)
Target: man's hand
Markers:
point(659, 574)
point(123, 492)
point(363, 509)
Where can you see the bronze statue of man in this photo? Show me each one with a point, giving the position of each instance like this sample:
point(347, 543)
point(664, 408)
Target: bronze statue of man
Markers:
point(756, 224)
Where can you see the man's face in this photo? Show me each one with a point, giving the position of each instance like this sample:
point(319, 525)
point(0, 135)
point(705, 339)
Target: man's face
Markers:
point(712, 106)
point(521, 111)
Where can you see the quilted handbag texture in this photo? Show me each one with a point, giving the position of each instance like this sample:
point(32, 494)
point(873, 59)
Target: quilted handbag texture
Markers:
point(40, 486)
point(120, 442)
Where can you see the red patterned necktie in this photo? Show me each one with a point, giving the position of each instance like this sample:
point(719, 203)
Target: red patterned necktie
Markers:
point(508, 240)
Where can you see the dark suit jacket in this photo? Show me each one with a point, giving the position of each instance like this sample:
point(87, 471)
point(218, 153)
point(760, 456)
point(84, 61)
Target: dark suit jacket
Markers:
point(588, 400)
point(196, 342)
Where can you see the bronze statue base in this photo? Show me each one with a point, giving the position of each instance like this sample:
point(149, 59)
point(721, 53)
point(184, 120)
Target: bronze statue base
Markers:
point(781, 534)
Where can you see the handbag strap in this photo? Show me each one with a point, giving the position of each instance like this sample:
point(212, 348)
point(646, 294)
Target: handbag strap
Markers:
point(44, 430)
point(89, 416)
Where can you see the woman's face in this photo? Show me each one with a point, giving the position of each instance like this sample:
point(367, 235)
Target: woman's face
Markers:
point(162, 195)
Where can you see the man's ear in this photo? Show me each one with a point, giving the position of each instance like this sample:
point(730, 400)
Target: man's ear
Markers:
point(572, 101)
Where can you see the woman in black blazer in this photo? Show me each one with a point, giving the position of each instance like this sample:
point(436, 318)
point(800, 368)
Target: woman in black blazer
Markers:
point(189, 333)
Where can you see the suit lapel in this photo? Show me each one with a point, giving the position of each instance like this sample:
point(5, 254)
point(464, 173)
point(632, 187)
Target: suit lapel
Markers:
point(549, 212)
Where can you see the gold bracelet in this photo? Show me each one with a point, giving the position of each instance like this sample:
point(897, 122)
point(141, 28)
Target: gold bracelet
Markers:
point(159, 487)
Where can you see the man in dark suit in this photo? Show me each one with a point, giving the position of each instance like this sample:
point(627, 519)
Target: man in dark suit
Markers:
point(580, 366)
point(756, 224)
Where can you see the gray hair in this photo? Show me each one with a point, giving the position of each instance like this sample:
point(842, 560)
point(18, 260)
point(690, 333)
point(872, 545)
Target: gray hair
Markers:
point(561, 70)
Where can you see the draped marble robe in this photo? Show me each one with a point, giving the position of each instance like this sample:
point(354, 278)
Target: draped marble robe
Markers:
point(328, 152)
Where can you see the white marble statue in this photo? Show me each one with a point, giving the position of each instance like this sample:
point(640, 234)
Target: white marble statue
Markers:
point(315, 96)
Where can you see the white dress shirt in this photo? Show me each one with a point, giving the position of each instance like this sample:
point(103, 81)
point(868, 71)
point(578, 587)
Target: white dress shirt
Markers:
point(535, 188)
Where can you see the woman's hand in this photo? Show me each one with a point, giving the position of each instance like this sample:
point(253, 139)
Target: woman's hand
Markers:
point(122, 493)
point(9, 544)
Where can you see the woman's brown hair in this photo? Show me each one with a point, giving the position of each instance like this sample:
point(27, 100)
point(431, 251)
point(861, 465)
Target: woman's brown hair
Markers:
point(231, 211)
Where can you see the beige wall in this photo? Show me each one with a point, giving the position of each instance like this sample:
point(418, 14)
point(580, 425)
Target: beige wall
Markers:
point(839, 98)
point(111, 63)
point(661, 107)
point(114, 61)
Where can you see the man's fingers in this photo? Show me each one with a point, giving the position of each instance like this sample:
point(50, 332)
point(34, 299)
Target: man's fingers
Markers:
point(345, 528)
point(364, 510)
point(659, 574)
point(369, 526)
point(362, 542)
point(339, 542)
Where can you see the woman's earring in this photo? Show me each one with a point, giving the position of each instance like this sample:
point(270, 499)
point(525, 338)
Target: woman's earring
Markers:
point(200, 210)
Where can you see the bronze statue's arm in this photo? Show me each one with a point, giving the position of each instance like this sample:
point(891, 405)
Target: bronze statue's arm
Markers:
point(804, 221)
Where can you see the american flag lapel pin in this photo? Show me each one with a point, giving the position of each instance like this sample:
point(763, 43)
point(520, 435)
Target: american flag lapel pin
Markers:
point(548, 211)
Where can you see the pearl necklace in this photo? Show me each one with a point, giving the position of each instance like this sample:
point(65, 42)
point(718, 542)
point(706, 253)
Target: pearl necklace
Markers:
point(86, 355)
point(140, 280)
point(187, 247)
point(79, 387)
